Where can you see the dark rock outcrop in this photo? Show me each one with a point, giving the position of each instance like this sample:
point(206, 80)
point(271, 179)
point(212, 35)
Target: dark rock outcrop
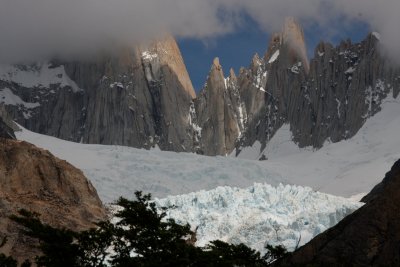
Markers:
point(35, 180)
point(368, 237)
point(7, 126)
point(5, 131)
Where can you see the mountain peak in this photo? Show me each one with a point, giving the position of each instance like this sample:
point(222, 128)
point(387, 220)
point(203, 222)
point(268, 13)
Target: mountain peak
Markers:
point(216, 63)
point(168, 52)
point(232, 73)
point(256, 61)
point(293, 37)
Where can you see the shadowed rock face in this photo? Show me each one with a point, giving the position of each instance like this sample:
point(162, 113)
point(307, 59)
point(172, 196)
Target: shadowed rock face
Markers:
point(368, 237)
point(35, 180)
point(7, 126)
point(329, 98)
point(344, 86)
point(138, 97)
point(5, 130)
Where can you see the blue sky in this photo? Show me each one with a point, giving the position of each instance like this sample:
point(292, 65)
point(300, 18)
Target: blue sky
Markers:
point(237, 49)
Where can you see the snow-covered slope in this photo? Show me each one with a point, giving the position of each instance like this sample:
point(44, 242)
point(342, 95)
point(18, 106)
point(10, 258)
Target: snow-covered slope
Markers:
point(259, 214)
point(346, 168)
point(119, 171)
point(41, 75)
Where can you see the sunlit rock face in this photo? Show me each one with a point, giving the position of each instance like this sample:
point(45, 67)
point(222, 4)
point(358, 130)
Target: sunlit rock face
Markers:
point(33, 179)
point(220, 112)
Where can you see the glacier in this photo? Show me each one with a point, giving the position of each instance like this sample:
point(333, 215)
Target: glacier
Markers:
point(347, 168)
point(261, 214)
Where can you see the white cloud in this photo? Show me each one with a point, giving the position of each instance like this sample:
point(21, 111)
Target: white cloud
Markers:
point(31, 29)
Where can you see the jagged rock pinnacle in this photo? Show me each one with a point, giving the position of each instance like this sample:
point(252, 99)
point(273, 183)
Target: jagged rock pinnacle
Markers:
point(169, 54)
point(292, 36)
point(256, 59)
point(232, 74)
point(216, 64)
point(217, 112)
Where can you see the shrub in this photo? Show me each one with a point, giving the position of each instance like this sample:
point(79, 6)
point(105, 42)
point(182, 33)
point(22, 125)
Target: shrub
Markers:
point(142, 237)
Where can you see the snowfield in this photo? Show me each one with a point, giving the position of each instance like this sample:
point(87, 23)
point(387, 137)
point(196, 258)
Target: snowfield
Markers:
point(258, 215)
point(348, 168)
point(120, 171)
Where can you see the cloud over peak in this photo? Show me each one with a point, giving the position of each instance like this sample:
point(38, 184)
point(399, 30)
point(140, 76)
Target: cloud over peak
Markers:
point(34, 29)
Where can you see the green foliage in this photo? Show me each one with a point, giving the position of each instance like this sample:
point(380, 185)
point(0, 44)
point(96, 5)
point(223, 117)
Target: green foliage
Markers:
point(66, 248)
point(142, 237)
point(153, 240)
point(94, 245)
point(56, 244)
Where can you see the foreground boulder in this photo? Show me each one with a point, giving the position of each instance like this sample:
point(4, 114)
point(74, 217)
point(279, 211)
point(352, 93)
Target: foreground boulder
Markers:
point(368, 237)
point(35, 180)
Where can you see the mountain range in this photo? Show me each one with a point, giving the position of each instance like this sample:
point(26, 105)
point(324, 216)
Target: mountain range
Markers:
point(143, 97)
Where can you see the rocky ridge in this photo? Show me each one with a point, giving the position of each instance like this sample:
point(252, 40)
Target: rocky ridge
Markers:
point(143, 97)
point(344, 86)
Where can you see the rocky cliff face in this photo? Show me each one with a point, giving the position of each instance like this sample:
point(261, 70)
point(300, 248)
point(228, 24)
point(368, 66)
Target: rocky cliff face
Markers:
point(143, 96)
point(137, 97)
point(33, 179)
point(220, 112)
point(368, 237)
point(343, 87)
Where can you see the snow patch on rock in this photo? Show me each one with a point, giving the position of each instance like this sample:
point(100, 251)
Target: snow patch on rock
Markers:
point(41, 75)
point(7, 97)
point(274, 57)
point(377, 35)
point(147, 55)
